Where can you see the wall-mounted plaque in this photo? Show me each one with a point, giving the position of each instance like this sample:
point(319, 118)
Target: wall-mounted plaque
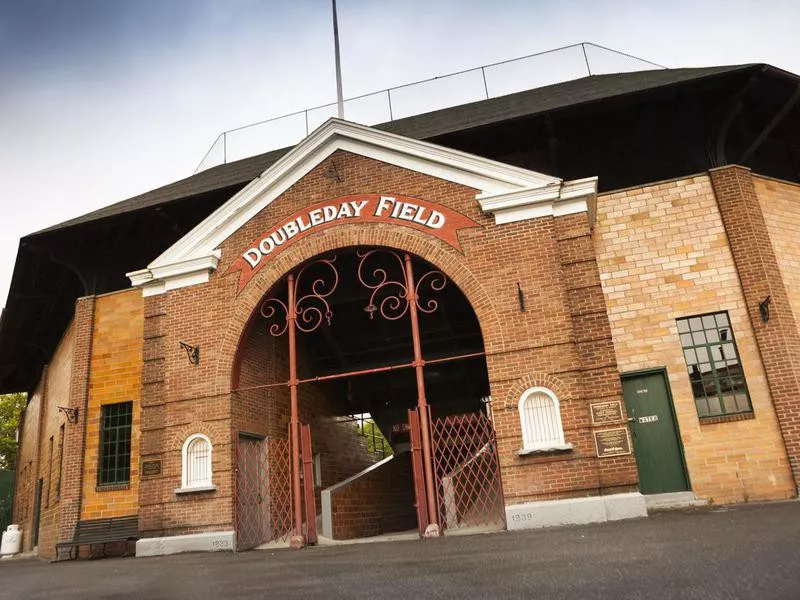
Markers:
point(151, 468)
point(612, 442)
point(604, 413)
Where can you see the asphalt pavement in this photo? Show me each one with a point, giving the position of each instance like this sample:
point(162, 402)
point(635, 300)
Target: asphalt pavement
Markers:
point(750, 552)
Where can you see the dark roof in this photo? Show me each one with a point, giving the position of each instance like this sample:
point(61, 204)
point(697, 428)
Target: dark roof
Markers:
point(425, 126)
point(628, 129)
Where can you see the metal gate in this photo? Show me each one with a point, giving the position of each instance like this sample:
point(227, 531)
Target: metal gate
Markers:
point(263, 491)
point(468, 486)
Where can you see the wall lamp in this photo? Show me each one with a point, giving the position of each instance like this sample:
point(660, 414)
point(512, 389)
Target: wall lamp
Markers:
point(72, 413)
point(193, 352)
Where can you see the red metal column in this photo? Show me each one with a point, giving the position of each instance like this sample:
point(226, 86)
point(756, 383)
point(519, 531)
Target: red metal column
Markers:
point(419, 478)
point(308, 485)
point(422, 402)
point(298, 541)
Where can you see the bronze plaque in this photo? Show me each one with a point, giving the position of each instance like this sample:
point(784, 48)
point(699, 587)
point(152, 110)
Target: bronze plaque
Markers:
point(604, 413)
point(151, 468)
point(612, 442)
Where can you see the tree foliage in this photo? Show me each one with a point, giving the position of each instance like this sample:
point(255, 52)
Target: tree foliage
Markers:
point(11, 406)
point(376, 442)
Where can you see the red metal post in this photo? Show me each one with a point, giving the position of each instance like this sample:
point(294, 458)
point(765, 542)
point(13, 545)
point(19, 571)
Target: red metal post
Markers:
point(308, 485)
point(294, 421)
point(422, 402)
point(419, 478)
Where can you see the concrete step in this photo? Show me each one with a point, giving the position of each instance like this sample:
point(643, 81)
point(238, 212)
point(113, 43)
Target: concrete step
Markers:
point(673, 501)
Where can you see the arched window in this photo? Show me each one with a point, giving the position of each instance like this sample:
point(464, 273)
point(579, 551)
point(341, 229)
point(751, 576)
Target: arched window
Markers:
point(541, 421)
point(196, 462)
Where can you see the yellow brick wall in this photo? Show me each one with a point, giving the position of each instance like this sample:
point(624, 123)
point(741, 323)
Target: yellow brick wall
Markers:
point(780, 205)
point(663, 254)
point(116, 373)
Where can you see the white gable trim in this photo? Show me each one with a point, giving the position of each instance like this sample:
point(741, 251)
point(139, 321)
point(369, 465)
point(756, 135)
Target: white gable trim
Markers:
point(507, 192)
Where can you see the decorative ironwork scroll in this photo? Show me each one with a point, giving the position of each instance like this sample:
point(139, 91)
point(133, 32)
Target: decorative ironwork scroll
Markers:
point(311, 306)
point(389, 283)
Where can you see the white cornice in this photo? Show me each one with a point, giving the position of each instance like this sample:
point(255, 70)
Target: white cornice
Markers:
point(556, 199)
point(509, 193)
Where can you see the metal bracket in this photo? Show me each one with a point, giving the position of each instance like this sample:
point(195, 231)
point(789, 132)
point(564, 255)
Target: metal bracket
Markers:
point(193, 352)
point(763, 308)
point(72, 413)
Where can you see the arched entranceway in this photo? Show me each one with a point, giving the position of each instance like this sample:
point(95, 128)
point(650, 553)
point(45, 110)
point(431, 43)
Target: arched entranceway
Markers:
point(376, 353)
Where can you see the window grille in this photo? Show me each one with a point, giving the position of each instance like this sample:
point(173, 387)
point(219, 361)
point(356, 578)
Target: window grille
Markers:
point(541, 420)
point(115, 444)
point(196, 462)
point(712, 360)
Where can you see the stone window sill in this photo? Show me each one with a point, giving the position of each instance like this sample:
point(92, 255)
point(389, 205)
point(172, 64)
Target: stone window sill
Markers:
point(199, 488)
point(554, 448)
point(745, 416)
point(112, 487)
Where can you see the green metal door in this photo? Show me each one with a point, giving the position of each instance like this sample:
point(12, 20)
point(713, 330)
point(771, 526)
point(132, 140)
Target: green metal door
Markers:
point(655, 437)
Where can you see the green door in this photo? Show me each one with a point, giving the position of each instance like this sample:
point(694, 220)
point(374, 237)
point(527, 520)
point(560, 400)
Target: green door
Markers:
point(655, 437)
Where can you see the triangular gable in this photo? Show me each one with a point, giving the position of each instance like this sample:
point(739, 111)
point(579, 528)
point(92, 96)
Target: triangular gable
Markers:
point(509, 193)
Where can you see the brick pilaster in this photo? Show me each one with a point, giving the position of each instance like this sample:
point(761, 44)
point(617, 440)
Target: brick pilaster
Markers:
point(778, 339)
point(153, 416)
point(75, 433)
point(594, 345)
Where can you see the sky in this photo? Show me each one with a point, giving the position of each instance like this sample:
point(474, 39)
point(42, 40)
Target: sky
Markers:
point(101, 100)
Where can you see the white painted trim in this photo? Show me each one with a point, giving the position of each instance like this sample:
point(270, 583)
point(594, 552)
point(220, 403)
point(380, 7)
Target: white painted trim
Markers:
point(199, 488)
point(544, 449)
point(562, 198)
point(214, 541)
point(529, 444)
point(575, 511)
point(509, 193)
point(206, 484)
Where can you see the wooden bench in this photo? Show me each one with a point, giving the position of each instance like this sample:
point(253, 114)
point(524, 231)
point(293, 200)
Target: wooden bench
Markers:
point(100, 531)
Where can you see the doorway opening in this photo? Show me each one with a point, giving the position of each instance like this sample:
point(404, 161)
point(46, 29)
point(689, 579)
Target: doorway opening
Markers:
point(385, 372)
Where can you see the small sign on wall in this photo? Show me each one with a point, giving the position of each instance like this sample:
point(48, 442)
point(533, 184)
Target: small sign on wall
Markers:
point(612, 442)
point(605, 413)
point(151, 468)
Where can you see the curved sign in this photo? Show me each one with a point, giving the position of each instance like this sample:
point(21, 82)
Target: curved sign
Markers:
point(434, 219)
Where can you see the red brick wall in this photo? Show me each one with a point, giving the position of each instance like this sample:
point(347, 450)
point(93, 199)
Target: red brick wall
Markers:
point(27, 468)
point(72, 481)
point(263, 359)
point(562, 337)
point(41, 427)
point(381, 501)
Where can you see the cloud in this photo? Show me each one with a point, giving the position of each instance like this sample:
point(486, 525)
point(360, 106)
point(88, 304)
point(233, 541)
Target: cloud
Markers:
point(104, 99)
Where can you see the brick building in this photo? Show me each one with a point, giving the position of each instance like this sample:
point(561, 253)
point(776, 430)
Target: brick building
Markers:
point(556, 306)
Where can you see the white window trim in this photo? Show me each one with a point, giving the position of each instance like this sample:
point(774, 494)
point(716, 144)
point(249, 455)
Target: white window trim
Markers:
point(530, 446)
point(206, 486)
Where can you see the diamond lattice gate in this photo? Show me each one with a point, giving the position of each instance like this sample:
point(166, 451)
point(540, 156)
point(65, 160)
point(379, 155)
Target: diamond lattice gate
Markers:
point(468, 486)
point(263, 491)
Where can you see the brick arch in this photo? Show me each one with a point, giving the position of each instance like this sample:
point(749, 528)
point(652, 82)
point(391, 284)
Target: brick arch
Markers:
point(445, 258)
point(536, 379)
point(216, 433)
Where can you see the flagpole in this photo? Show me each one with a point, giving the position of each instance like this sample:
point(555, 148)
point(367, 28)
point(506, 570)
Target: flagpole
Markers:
point(339, 96)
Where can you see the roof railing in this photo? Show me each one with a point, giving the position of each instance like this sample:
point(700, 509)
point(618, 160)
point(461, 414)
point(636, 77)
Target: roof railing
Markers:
point(478, 83)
